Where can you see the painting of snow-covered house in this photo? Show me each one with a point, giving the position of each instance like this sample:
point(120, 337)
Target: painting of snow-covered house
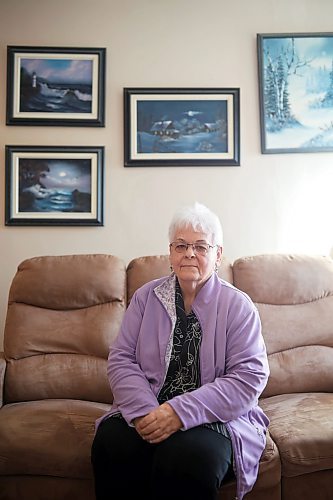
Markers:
point(181, 126)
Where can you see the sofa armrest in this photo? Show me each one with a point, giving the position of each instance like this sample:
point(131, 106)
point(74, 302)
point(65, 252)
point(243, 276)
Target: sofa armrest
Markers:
point(2, 376)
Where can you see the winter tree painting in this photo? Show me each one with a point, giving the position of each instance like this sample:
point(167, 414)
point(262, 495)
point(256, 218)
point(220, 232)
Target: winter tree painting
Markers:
point(296, 92)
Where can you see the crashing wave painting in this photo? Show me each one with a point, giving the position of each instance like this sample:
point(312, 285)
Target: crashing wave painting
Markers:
point(56, 85)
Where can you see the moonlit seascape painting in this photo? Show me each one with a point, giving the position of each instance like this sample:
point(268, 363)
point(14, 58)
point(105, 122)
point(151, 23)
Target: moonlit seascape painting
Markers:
point(54, 185)
point(296, 83)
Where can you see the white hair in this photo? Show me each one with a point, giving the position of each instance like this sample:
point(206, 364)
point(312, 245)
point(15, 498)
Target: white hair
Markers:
point(199, 218)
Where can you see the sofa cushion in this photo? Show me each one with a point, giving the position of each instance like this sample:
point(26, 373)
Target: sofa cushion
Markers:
point(283, 279)
point(48, 438)
point(301, 425)
point(63, 314)
point(47, 487)
point(269, 476)
point(294, 296)
point(87, 280)
point(71, 376)
point(2, 376)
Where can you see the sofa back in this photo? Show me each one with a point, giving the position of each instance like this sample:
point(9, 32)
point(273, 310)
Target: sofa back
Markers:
point(294, 296)
point(63, 314)
point(143, 269)
point(65, 311)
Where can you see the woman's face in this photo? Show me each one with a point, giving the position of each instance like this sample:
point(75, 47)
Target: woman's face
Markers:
point(191, 266)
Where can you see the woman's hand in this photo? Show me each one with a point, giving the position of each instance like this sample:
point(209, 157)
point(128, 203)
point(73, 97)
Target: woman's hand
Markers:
point(159, 424)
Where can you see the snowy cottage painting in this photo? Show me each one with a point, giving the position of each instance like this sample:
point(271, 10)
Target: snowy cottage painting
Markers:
point(182, 126)
point(296, 92)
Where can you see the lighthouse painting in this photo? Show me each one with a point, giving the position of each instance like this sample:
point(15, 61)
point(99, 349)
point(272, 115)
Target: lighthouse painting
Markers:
point(50, 86)
point(53, 86)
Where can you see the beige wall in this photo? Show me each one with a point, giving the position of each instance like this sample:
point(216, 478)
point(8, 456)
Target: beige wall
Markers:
point(271, 203)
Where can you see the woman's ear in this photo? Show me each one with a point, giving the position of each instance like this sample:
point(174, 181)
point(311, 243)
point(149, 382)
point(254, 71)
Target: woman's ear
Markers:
point(170, 264)
point(219, 254)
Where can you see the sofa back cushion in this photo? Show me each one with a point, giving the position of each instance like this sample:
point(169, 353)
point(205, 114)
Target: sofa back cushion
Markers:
point(143, 269)
point(294, 296)
point(63, 314)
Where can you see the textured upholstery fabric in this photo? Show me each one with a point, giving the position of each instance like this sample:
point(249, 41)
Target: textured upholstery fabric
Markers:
point(315, 486)
point(45, 488)
point(2, 376)
point(63, 314)
point(48, 437)
point(268, 484)
point(294, 296)
point(302, 424)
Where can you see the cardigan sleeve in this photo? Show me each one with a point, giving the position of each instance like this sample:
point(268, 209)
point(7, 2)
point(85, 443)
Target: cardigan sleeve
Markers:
point(132, 392)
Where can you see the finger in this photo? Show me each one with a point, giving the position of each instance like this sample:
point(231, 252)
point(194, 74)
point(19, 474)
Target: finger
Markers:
point(148, 419)
point(159, 432)
point(153, 434)
point(147, 428)
point(159, 438)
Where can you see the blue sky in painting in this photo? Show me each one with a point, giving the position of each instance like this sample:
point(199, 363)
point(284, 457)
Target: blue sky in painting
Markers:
point(203, 111)
point(60, 70)
point(317, 48)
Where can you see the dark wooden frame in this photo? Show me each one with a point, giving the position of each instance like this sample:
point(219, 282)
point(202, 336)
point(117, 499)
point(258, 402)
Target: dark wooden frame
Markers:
point(298, 115)
point(27, 87)
point(219, 97)
point(74, 211)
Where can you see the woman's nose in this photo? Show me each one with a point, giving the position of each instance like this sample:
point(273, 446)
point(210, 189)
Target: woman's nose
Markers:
point(190, 251)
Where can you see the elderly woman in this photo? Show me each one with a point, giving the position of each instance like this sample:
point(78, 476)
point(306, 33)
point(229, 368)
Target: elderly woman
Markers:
point(186, 372)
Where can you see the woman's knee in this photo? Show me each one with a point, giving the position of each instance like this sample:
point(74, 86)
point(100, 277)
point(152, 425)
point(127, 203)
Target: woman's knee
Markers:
point(203, 454)
point(109, 439)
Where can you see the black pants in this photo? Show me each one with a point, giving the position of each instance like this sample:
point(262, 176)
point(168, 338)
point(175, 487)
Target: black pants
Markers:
point(189, 465)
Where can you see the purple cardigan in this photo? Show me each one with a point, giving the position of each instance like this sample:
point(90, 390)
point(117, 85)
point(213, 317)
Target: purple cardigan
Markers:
point(233, 366)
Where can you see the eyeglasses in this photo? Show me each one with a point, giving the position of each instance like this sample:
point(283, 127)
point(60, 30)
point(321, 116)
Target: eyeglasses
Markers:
point(198, 248)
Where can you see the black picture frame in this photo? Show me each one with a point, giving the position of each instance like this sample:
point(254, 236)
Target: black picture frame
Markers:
point(55, 86)
point(181, 127)
point(54, 185)
point(295, 75)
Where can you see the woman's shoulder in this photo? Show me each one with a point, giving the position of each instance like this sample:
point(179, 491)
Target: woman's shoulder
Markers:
point(236, 294)
point(146, 289)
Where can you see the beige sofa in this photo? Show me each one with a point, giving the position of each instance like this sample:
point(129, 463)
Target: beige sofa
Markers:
point(63, 313)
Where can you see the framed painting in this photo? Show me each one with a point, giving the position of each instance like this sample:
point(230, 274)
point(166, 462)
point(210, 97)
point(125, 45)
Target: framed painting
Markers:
point(54, 186)
point(55, 86)
point(181, 127)
point(296, 92)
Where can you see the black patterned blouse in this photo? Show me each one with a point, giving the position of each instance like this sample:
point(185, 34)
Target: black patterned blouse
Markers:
point(184, 369)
